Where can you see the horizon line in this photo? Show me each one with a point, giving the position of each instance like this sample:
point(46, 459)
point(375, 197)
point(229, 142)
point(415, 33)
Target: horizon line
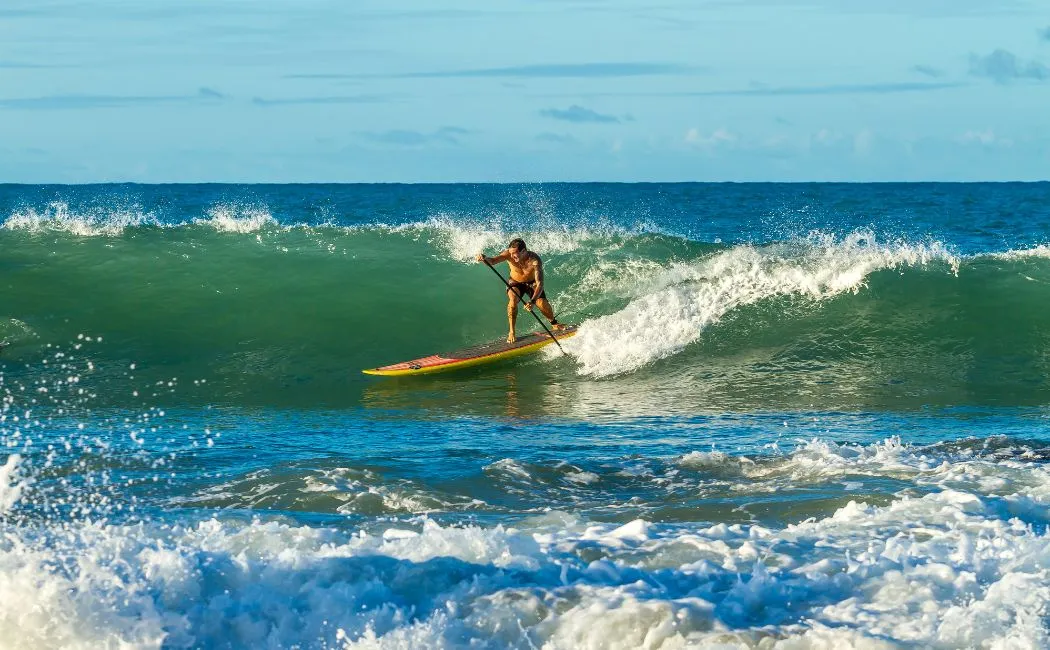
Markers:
point(526, 182)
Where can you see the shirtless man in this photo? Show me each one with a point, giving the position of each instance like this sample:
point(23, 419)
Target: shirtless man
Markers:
point(526, 278)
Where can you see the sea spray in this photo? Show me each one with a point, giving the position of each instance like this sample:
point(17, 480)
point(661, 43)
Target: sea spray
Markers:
point(686, 297)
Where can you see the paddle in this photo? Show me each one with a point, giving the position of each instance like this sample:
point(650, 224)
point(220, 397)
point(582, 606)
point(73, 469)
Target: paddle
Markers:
point(522, 299)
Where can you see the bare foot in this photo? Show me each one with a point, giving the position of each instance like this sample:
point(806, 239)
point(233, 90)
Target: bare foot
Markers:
point(559, 327)
point(511, 338)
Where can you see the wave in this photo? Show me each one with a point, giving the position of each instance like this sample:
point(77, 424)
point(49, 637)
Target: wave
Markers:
point(108, 221)
point(262, 309)
point(58, 217)
point(684, 299)
point(964, 541)
point(343, 490)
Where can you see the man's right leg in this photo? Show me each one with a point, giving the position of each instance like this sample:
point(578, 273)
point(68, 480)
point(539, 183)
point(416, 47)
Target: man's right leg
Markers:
point(512, 313)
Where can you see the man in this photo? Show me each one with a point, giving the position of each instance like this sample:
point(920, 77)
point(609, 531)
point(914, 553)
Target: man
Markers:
point(526, 279)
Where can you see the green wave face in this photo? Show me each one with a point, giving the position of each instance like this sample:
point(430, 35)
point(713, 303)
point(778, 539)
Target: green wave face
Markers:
point(258, 313)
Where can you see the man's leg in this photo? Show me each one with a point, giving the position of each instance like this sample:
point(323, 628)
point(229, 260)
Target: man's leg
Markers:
point(512, 313)
point(548, 311)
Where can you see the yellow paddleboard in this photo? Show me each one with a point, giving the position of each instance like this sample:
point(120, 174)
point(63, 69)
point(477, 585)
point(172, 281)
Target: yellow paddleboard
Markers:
point(474, 356)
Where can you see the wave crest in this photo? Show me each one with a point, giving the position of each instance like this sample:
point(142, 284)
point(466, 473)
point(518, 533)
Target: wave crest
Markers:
point(684, 298)
point(58, 217)
point(237, 218)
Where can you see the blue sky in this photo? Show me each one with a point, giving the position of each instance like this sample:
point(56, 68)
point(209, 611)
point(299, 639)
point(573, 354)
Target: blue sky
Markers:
point(545, 90)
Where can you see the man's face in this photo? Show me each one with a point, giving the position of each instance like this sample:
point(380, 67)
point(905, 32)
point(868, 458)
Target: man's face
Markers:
point(515, 254)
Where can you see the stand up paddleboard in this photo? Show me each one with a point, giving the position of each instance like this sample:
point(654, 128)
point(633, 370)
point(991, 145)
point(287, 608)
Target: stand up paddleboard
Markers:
point(474, 356)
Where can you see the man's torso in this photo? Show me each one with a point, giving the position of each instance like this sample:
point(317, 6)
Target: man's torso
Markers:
point(525, 270)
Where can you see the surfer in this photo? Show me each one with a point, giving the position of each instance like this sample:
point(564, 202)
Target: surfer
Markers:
point(526, 278)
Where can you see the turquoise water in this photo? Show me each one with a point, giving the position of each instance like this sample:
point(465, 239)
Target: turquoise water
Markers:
point(807, 415)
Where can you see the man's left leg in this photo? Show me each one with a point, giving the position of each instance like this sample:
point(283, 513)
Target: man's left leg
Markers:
point(548, 311)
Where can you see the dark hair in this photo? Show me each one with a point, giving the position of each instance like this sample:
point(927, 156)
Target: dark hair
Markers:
point(517, 244)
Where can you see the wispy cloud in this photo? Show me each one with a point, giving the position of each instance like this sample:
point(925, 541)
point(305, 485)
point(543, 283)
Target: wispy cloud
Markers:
point(82, 102)
point(1004, 66)
point(409, 138)
point(342, 99)
point(572, 70)
point(210, 93)
point(923, 8)
point(578, 114)
point(556, 138)
point(836, 89)
point(928, 71)
point(540, 71)
point(777, 91)
point(452, 14)
point(1044, 34)
point(16, 65)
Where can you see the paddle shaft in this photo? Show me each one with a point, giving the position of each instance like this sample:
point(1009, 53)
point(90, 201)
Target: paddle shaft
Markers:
point(522, 299)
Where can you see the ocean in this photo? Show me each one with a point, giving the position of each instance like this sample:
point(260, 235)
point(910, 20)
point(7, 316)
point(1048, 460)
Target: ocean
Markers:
point(794, 416)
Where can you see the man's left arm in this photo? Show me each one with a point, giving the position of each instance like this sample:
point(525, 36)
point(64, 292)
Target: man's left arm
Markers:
point(538, 289)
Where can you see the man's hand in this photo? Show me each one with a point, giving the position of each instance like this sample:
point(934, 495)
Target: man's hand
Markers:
point(480, 257)
point(528, 305)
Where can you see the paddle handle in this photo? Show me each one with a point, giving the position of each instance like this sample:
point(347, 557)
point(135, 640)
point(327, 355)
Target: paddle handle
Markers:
point(522, 299)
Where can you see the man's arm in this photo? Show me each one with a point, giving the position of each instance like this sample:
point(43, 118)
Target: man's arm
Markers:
point(502, 257)
point(538, 288)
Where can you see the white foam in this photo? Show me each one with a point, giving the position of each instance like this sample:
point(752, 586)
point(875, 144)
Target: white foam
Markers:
point(1041, 251)
point(114, 220)
point(11, 484)
point(238, 218)
point(57, 217)
point(706, 459)
point(953, 568)
point(509, 467)
point(464, 239)
point(685, 298)
point(353, 491)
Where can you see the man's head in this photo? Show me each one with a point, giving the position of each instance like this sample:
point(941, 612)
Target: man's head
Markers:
point(516, 248)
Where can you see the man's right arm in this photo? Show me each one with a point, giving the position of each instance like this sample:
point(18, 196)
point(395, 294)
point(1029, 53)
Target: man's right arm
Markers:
point(502, 257)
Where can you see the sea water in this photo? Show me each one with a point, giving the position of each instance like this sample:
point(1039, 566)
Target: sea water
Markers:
point(794, 416)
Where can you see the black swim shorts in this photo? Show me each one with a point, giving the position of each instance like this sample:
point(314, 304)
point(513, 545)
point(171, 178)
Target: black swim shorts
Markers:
point(527, 288)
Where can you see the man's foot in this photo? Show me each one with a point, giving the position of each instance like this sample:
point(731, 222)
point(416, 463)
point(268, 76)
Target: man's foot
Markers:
point(511, 338)
point(558, 326)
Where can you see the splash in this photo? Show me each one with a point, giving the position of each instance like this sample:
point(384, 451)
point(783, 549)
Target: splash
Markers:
point(684, 298)
point(57, 217)
point(462, 239)
point(237, 218)
point(1042, 252)
point(11, 484)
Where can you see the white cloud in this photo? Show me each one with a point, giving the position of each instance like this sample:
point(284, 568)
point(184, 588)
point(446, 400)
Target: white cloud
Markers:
point(985, 138)
point(826, 137)
point(720, 136)
point(862, 142)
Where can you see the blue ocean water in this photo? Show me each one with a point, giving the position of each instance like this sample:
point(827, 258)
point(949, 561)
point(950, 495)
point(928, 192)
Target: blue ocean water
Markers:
point(794, 416)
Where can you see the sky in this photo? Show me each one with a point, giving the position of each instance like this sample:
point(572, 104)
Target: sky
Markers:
point(515, 91)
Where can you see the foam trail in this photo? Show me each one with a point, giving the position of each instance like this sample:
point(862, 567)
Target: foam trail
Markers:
point(685, 298)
